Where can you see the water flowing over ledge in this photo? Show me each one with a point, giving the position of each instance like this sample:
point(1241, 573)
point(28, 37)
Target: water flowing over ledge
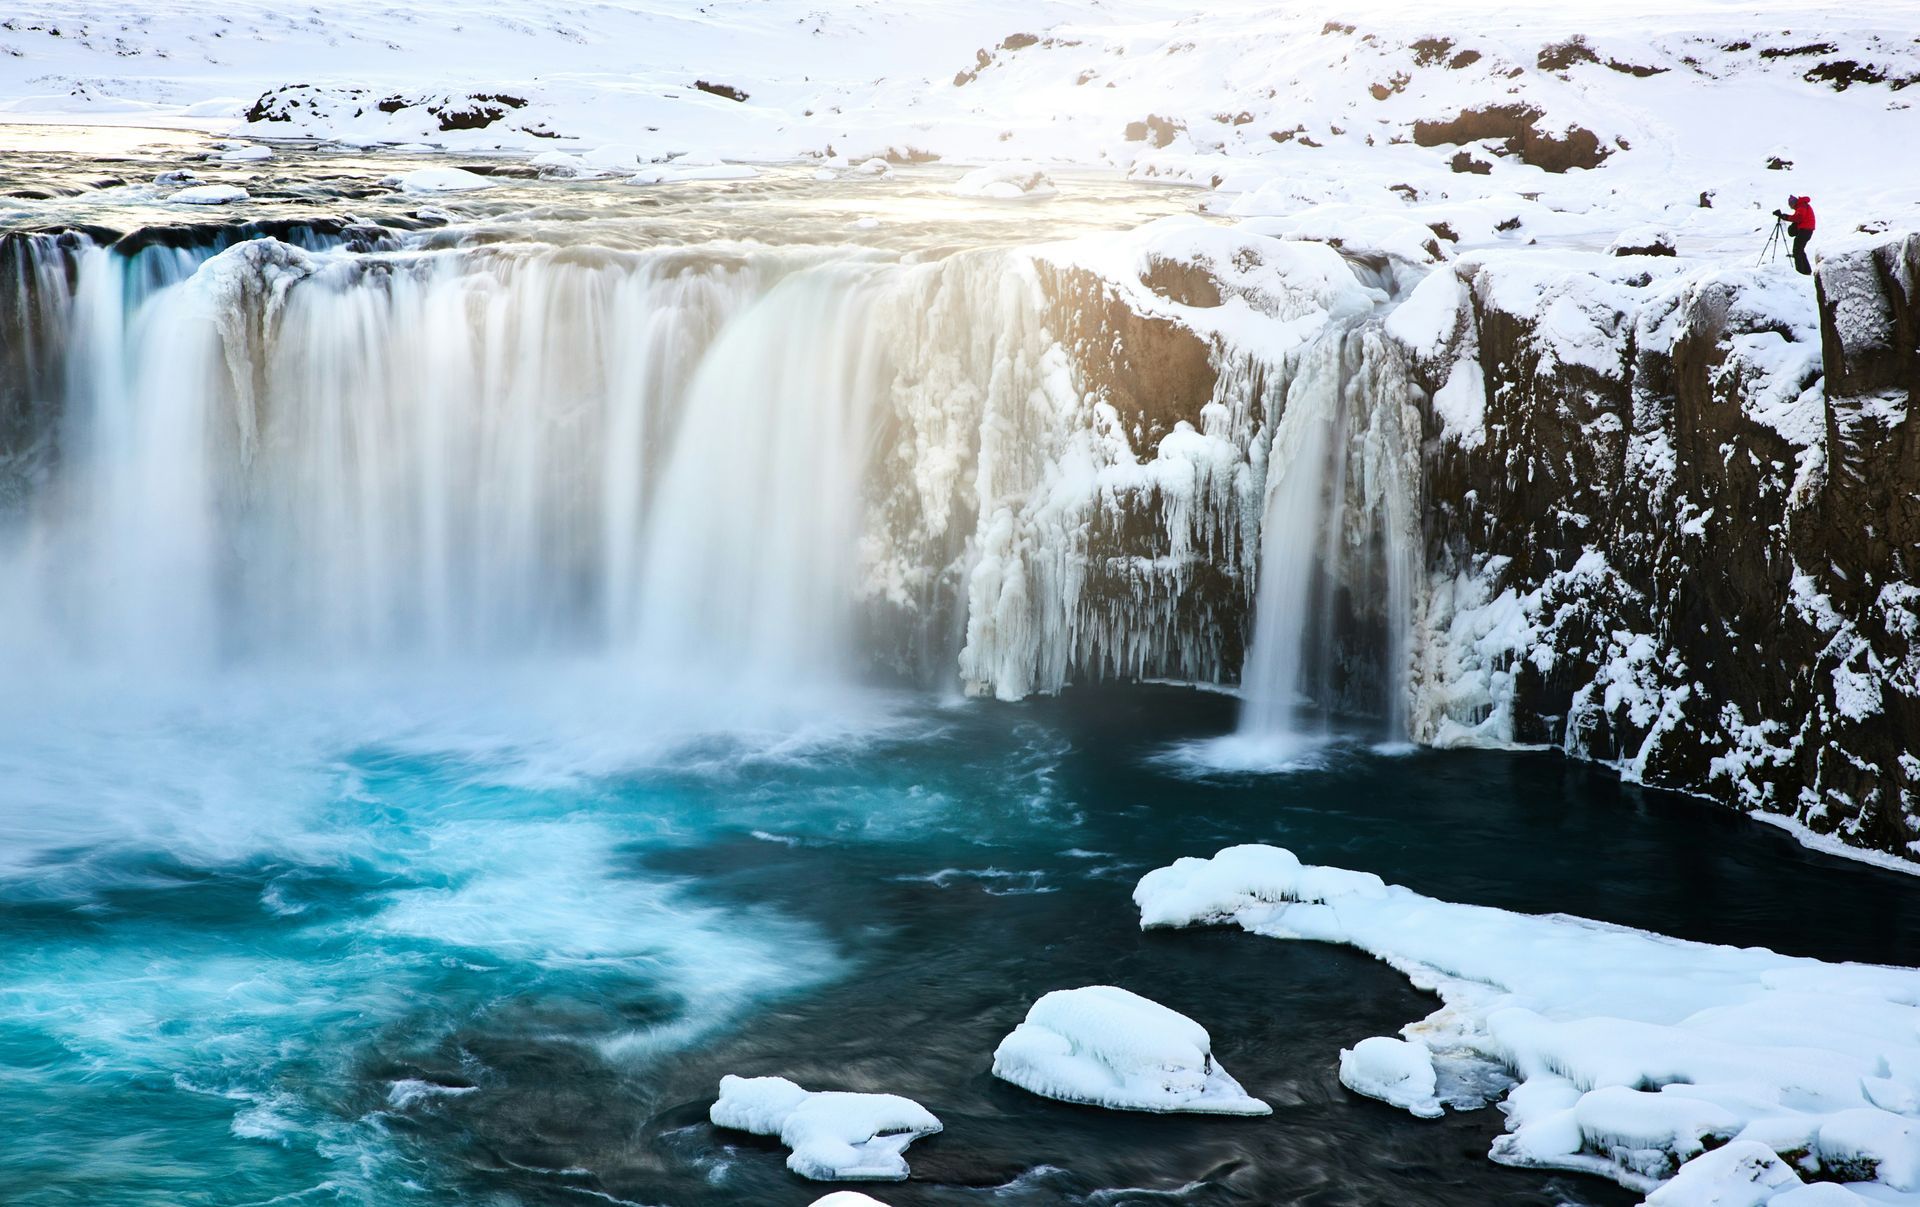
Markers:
point(1464, 498)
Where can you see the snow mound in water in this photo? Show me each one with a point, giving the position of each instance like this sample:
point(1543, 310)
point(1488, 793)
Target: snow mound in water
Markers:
point(252, 153)
point(847, 1198)
point(1104, 1046)
point(874, 167)
point(685, 169)
point(560, 165)
point(1006, 182)
point(210, 194)
point(438, 180)
point(834, 1136)
point(1639, 1056)
point(1394, 1071)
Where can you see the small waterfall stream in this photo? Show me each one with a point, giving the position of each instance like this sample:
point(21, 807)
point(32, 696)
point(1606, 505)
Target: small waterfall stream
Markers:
point(1340, 554)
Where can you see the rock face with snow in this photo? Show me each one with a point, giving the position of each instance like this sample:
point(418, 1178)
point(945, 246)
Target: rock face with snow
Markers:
point(1105, 1046)
point(835, 1136)
point(1702, 1074)
point(1673, 527)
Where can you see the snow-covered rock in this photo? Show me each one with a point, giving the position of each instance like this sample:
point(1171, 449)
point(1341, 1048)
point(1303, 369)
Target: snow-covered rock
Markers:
point(564, 166)
point(1108, 1047)
point(1744, 1173)
point(1393, 1070)
point(1638, 1056)
point(833, 1135)
point(439, 180)
point(252, 153)
point(680, 171)
point(209, 194)
point(1006, 182)
point(847, 1198)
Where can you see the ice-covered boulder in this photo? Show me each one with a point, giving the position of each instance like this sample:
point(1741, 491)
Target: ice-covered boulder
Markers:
point(874, 167)
point(691, 167)
point(1394, 1071)
point(563, 166)
point(834, 1136)
point(252, 153)
point(210, 194)
point(1006, 182)
point(438, 180)
point(1644, 241)
point(847, 1198)
point(1104, 1046)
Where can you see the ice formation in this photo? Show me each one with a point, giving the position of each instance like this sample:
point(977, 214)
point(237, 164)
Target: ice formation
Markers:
point(1673, 1067)
point(1105, 1046)
point(834, 1136)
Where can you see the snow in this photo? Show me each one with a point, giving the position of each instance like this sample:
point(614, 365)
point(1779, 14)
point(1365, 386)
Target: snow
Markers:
point(1461, 404)
point(1106, 1046)
point(1394, 1071)
point(248, 154)
point(1638, 1056)
point(439, 180)
point(846, 1198)
point(833, 1135)
point(209, 194)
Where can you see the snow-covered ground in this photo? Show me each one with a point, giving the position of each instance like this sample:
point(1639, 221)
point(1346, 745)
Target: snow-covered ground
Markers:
point(1639, 1057)
point(1735, 101)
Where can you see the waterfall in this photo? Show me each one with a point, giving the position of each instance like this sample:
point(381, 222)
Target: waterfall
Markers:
point(1340, 552)
point(725, 462)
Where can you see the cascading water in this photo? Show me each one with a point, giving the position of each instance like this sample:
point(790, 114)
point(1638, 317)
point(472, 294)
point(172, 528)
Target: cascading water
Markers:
point(739, 462)
point(1339, 559)
point(745, 463)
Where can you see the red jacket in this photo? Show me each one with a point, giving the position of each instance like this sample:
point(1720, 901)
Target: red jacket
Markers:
point(1803, 213)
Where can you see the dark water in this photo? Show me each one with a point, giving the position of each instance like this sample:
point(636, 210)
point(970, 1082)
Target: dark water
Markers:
point(214, 1001)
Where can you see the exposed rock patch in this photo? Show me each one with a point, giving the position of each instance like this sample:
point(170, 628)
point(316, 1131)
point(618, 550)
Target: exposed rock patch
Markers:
point(1517, 125)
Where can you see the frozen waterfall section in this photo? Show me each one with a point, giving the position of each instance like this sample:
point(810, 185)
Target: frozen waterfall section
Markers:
point(770, 466)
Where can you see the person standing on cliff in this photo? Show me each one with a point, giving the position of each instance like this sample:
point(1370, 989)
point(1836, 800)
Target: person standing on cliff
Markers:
point(1800, 226)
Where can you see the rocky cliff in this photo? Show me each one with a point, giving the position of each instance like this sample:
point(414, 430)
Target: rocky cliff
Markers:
point(1670, 514)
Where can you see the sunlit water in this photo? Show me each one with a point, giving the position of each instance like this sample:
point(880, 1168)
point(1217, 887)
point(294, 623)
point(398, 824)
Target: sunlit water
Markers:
point(326, 919)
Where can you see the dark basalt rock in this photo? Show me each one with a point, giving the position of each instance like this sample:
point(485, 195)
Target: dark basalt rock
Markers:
point(726, 91)
point(1518, 126)
point(1783, 641)
point(1562, 55)
point(1160, 131)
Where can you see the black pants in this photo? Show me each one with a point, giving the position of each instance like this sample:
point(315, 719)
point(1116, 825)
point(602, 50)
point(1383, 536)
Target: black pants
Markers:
point(1800, 238)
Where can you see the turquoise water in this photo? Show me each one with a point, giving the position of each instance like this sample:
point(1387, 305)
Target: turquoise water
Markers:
point(494, 937)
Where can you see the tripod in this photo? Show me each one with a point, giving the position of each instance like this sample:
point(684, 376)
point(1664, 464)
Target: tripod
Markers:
point(1772, 248)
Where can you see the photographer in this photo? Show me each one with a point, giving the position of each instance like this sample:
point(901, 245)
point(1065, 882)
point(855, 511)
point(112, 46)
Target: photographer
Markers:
point(1800, 226)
